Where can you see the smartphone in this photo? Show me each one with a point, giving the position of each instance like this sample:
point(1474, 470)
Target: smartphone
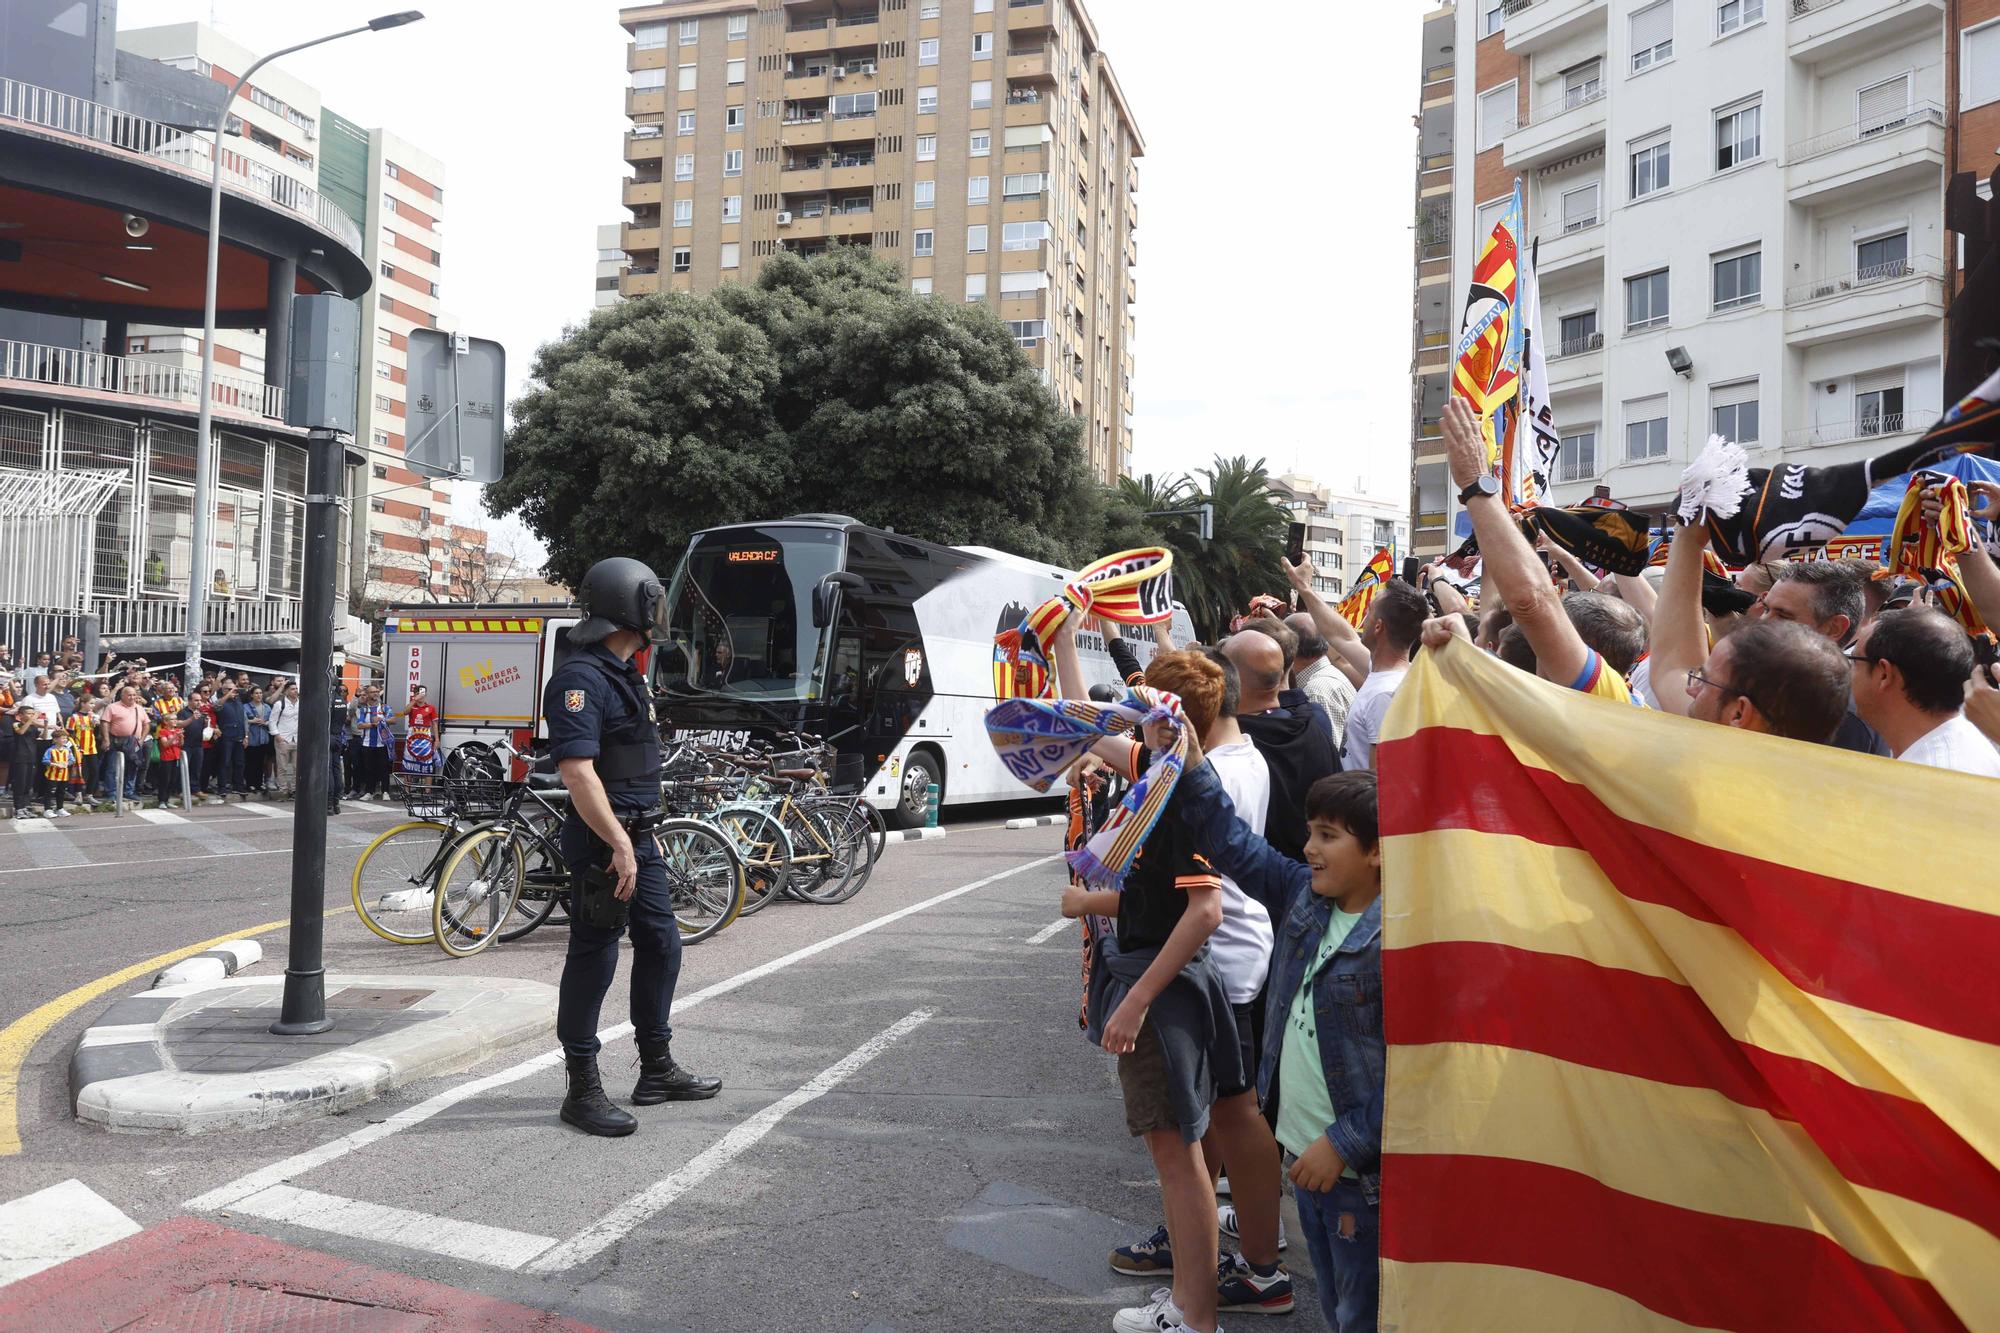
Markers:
point(1295, 543)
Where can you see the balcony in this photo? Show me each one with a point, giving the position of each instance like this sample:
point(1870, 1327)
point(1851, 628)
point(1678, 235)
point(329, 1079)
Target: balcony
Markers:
point(1533, 25)
point(819, 81)
point(1429, 444)
point(1576, 363)
point(829, 221)
point(1823, 30)
point(33, 367)
point(1028, 14)
point(828, 34)
point(637, 239)
point(1886, 296)
point(824, 128)
point(645, 102)
point(160, 617)
point(1029, 110)
point(645, 147)
point(821, 172)
point(1882, 432)
point(638, 193)
point(1561, 127)
point(1878, 156)
point(1579, 246)
point(639, 282)
point(168, 146)
point(1031, 62)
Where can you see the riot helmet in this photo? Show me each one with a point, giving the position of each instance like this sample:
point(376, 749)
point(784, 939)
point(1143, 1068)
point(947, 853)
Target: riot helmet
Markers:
point(620, 593)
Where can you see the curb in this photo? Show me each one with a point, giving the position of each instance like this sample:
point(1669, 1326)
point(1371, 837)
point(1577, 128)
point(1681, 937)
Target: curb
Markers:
point(120, 1077)
point(915, 835)
point(224, 960)
point(1037, 821)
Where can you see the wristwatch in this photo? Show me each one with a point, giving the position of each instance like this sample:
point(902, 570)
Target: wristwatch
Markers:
point(1484, 484)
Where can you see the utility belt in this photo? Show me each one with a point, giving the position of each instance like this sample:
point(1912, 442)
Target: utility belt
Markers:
point(595, 903)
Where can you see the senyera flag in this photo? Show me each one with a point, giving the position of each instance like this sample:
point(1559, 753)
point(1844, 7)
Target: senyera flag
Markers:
point(1687, 1027)
point(1381, 567)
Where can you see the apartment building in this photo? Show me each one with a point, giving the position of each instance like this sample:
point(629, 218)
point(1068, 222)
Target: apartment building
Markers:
point(1436, 302)
point(1738, 207)
point(289, 141)
point(611, 263)
point(1972, 76)
point(1344, 529)
point(984, 145)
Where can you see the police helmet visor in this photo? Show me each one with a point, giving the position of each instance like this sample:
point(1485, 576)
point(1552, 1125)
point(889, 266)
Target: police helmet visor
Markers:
point(653, 608)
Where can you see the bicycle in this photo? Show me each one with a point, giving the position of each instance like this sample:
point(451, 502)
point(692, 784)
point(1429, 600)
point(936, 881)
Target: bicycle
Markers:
point(394, 880)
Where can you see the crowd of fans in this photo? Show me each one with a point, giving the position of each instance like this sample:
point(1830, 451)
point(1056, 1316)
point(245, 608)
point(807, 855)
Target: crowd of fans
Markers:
point(1241, 987)
point(70, 734)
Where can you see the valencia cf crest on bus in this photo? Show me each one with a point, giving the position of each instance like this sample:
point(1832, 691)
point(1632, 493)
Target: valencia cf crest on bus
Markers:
point(913, 666)
point(573, 700)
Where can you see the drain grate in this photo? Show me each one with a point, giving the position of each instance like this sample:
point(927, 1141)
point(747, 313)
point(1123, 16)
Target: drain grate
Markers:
point(361, 997)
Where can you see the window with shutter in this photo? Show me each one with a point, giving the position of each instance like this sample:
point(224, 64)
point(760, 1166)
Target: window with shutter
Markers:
point(1496, 114)
point(1979, 66)
point(1652, 35)
point(1580, 208)
point(1884, 105)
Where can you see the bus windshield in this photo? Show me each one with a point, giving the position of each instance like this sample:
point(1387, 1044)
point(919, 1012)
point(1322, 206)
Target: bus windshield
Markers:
point(740, 612)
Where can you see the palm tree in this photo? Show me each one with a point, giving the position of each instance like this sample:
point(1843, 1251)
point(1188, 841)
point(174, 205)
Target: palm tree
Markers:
point(1240, 559)
point(1134, 498)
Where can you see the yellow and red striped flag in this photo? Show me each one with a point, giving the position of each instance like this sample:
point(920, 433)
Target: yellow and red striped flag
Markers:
point(1381, 567)
point(1676, 1040)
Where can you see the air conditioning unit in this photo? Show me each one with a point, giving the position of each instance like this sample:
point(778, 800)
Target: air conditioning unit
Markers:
point(839, 74)
point(784, 219)
point(868, 68)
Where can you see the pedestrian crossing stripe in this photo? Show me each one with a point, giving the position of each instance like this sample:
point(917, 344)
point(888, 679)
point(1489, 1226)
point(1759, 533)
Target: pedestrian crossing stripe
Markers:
point(412, 626)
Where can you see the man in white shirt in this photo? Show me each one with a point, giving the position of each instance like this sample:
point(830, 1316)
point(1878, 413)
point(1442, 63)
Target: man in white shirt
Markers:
point(285, 740)
point(44, 702)
point(1910, 667)
point(1391, 630)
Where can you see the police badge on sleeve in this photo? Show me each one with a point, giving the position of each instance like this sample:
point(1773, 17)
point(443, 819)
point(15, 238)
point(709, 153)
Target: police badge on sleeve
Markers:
point(573, 701)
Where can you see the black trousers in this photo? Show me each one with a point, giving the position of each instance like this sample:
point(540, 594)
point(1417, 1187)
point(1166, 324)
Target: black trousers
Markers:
point(592, 962)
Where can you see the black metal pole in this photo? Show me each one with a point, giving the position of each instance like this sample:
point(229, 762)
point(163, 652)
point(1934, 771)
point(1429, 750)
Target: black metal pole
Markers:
point(305, 978)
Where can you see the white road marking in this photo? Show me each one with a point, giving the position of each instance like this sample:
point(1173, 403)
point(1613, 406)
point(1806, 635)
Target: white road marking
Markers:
point(34, 824)
point(614, 1226)
point(493, 1246)
point(300, 1163)
point(1053, 928)
point(369, 808)
point(154, 860)
point(161, 817)
point(55, 1225)
point(269, 811)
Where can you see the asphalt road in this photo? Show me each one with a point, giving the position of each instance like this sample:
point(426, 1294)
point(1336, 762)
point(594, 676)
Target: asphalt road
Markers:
point(913, 1134)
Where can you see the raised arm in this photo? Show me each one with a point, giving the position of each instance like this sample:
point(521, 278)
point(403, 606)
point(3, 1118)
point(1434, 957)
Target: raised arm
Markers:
point(1510, 563)
point(1572, 566)
point(1450, 601)
point(1976, 568)
point(1349, 654)
point(1680, 636)
point(1638, 594)
point(1259, 869)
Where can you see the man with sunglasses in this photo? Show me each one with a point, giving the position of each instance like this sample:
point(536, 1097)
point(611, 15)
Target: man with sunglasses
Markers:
point(1910, 669)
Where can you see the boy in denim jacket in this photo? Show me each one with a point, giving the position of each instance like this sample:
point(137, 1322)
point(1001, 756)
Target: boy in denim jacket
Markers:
point(1321, 1070)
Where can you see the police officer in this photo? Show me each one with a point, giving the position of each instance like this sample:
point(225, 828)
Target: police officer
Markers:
point(606, 744)
point(336, 745)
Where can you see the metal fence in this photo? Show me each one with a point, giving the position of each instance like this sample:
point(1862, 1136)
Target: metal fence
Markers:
point(48, 529)
point(38, 363)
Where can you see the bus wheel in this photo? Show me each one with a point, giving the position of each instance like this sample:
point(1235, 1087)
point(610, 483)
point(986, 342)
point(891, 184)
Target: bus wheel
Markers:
point(920, 770)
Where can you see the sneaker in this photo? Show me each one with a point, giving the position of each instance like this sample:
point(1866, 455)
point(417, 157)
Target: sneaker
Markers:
point(58, 813)
point(1222, 1187)
point(1150, 1257)
point(1225, 1220)
point(1160, 1316)
point(1239, 1290)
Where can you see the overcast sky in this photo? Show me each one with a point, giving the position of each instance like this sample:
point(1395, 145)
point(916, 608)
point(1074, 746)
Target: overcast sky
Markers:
point(1275, 198)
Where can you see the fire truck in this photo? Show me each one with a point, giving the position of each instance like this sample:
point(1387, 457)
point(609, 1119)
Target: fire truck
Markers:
point(483, 666)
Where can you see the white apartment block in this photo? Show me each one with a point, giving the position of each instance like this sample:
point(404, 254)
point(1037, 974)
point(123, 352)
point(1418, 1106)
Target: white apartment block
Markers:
point(611, 261)
point(1739, 205)
point(1344, 530)
point(395, 191)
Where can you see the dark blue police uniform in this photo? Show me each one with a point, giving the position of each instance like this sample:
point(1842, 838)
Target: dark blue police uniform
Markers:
point(598, 708)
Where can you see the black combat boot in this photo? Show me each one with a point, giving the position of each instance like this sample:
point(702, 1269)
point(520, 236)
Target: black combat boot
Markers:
point(661, 1080)
point(587, 1107)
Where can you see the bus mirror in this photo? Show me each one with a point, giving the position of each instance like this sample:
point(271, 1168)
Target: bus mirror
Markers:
point(823, 595)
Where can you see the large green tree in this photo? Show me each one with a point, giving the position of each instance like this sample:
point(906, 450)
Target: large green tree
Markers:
point(824, 386)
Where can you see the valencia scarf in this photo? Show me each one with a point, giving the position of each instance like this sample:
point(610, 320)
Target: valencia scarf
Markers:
point(1929, 552)
point(1040, 739)
point(1131, 588)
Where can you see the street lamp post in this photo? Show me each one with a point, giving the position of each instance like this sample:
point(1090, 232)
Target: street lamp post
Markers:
point(204, 467)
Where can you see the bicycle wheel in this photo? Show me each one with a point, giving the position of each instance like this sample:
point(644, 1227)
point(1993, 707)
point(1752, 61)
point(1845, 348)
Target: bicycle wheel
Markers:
point(841, 843)
point(546, 883)
point(856, 829)
point(704, 877)
point(762, 846)
point(392, 881)
point(878, 829)
point(476, 891)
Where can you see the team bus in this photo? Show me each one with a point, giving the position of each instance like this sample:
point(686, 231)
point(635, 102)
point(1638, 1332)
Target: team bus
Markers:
point(879, 642)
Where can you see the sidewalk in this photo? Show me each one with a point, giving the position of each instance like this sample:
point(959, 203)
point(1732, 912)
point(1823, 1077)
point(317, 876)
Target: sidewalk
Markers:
point(199, 1056)
point(191, 1274)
